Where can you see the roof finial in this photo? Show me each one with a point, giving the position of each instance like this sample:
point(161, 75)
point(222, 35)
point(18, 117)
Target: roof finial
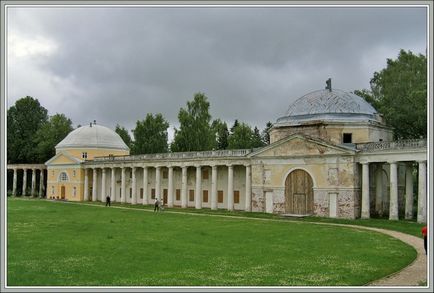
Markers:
point(329, 84)
point(94, 122)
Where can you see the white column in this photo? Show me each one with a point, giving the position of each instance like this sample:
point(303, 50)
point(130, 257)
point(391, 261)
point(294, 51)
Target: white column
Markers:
point(123, 196)
point(103, 195)
point(94, 185)
point(184, 187)
point(230, 187)
point(113, 185)
point(379, 190)
point(421, 199)
point(409, 191)
point(198, 191)
point(214, 187)
point(41, 183)
point(145, 185)
point(33, 182)
point(393, 209)
point(14, 186)
point(170, 191)
point(134, 189)
point(24, 182)
point(248, 188)
point(86, 185)
point(158, 182)
point(365, 191)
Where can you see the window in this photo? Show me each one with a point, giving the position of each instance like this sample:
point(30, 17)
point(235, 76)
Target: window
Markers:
point(347, 138)
point(165, 172)
point(73, 173)
point(52, 173)
point(153, 193)
point(236, 196)
point(178, 194)
point(141, 193)
point(165, 193)
point(120, 192)
point(220, 196)
point(63, 176)
point(74, 191)
point(52, 189)
point(191, 195)
point(205, 174)
point(131, 192)
point(205, 195)
point(84, 155)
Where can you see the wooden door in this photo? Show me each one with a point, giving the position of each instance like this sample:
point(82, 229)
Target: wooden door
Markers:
point(165, 192)
point(299, 193)
point(62, 192)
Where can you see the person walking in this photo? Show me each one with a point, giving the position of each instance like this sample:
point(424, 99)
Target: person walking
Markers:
point(424, 233)
point(107, 201)
point(156, 205)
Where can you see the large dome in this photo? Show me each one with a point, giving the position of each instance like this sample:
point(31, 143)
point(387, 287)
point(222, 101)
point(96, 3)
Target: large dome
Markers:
point(93, 136)
point(331, 106)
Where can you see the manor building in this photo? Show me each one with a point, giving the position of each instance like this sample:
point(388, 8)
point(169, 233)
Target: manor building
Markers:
point(331, 155)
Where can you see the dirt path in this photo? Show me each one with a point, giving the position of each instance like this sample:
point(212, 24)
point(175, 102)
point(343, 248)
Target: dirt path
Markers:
point(412, 275)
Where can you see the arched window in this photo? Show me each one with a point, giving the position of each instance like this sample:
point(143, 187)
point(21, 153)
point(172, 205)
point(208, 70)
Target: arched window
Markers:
point(63, 176)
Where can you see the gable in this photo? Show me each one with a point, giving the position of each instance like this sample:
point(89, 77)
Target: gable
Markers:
point(62, 159)
point(300, 146)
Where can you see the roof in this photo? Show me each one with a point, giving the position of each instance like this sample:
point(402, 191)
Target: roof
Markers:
point(93, 136)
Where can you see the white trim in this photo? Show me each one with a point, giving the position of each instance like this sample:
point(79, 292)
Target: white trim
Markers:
point(73, 159)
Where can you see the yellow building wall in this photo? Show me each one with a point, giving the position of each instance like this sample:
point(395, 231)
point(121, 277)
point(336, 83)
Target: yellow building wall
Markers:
point(92, 153)
point(54, 186)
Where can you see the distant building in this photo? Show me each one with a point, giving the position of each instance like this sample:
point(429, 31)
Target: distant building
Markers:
point(331, 155)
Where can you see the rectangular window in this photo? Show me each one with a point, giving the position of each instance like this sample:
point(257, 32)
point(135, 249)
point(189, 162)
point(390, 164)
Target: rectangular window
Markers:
point(73, 173)
point(52, 189)
point(74, 191)
point(84, 155)
point(236, 196)
point(120, 192)
point(153, 193)
point(165, 174)
point(347, 138)
point(131, 192)
point(205, 195)
point(141, 193)
point(205, 174)
point(178, 194)
point(191, 195)
point(165, 192)
point(220, 196)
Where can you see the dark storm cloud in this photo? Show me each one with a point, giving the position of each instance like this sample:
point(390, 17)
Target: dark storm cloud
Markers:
point(117, 64)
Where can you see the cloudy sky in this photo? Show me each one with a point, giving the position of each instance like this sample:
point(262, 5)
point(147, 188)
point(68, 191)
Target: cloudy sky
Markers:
point(116, 64)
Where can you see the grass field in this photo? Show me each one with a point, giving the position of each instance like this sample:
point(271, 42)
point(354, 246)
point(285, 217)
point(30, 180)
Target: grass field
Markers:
point(55, 243)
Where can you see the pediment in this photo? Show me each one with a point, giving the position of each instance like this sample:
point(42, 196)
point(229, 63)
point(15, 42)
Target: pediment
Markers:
point(63, 159)
point(301, 145)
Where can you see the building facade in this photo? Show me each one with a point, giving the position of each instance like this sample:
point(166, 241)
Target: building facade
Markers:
point(331, 155)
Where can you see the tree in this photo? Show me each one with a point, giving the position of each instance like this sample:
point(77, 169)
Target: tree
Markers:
point(123, 133)
point(236, 123)
point(256, 139)
point(195, 132)
point(266, 133)
point(50, 134)
point(150, 135)
point(399, 93)
point(241, 137)
point(23, 120)
point(222, 134)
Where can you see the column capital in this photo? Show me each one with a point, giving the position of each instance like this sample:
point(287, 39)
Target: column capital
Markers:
point(392, 162)
point(421, 161)
point(214, 167)
point(103, 170)
point(230, 165)
point(247, 165)
point(198, 166)
point(364, 163)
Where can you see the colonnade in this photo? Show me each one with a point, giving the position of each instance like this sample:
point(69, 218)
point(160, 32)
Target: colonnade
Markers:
point(101, 186)
point(393, 193)
point(34, 170)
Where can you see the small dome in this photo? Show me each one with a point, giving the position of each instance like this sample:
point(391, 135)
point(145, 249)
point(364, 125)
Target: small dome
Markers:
point(329, 105)
point(95, 136)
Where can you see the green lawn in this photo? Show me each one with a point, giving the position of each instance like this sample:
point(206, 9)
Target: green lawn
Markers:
point(55, 243)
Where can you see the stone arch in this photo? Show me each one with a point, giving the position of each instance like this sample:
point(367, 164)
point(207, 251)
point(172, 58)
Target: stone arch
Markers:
point(63, 177)
point(299, 193)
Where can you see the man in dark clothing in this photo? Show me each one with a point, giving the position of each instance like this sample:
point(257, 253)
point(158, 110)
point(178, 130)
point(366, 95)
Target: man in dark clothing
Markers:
point(424, 233)
point(156, 205)
point(107, 201)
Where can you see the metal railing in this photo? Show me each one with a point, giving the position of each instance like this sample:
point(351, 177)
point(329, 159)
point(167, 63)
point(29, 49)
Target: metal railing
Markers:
point(180, 155)
point(391, 145)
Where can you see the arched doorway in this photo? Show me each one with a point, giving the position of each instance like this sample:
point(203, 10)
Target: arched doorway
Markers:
point(299, 193)
point(62, 192)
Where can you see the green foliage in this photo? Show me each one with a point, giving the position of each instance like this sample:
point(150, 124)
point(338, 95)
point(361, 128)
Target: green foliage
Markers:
point(241, 137)
point(123, 133)
point(50, 134)
point(141, 248)
point(150, 135)
point(23, 122)
point(236, 123)
point(266, 133)
point(222, 134)
point(257, 139)
point(195, 132)
point(399, 93)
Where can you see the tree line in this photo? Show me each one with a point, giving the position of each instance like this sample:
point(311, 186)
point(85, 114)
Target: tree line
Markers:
point(398, 91)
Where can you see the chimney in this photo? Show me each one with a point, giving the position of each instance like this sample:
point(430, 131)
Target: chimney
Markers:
point(329, 84)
